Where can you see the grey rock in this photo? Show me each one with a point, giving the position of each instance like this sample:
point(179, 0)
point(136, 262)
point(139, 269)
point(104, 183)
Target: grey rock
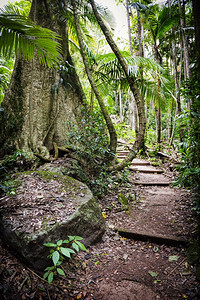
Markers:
point(46, 209)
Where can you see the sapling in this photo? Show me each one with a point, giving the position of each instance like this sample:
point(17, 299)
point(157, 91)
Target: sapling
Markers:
point(58, 254)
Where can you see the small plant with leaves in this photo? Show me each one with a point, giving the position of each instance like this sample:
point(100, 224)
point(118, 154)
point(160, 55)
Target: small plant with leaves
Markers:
point(59, 252)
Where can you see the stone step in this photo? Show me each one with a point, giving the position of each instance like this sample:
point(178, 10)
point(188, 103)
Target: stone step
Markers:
point(122, 153)
point(140, 162)
point(121, 156)
point(154, 238)
point(136, 161)
point(145, 163)
point(153, 183)
point(145, 169)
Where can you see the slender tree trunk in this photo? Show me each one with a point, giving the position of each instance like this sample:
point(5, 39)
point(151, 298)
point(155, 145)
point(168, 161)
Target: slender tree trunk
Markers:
point(129, 28)
point(110, 126)
point(91, 101)
point(181, 4)
point(158, 58)
point(187, 73)
point(140, 40)
point(133, 114)
point(139, 101)
point(177, 87)
point(133, 104)
point(176, 80)
point(159, 122)
point(120, 107)
point(196, 13)
point(141, 53)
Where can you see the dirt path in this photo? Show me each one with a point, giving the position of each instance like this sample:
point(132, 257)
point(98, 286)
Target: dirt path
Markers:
point(119, 268)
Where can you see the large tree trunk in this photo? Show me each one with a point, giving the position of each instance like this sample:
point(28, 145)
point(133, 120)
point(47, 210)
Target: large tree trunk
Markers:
point(132, 84)
point(41, 103)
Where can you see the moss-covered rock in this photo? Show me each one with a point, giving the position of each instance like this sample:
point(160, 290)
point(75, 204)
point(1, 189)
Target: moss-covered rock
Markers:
point(70, 168)
point(47, 207)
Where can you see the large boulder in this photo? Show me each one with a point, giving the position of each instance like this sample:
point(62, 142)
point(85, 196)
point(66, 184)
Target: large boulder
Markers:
point(47, 207)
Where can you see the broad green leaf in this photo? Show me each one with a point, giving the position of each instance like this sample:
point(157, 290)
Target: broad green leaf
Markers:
point(66, 241)
point(45, 275)
point(78, 238)
point(153, 274)
point(60, 271)
point(50, 245)
point(75, 246)
point(66, 251)
point(59, 243)
point(50, 278)
point(71, 238)
point(173, 257)
point(81, 246)
point(49, 268)
point(55, 257)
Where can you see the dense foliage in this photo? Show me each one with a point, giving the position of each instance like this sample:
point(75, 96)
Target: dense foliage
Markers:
point(189, 148)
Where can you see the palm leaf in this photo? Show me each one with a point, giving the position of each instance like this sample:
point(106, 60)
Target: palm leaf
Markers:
point(19, 33)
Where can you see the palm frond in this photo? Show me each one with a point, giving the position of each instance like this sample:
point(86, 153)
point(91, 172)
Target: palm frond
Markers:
point(18, 32)
point(165, 21)
point(139, 6)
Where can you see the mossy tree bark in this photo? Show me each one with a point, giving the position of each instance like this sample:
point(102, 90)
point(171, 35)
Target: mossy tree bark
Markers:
point(41, 103)
point(134, 89)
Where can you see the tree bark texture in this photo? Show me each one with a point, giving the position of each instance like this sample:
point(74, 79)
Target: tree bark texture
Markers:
point(41, 104)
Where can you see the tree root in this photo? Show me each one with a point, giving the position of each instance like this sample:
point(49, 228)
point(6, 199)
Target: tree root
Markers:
point(42, 158)
point(68, 151)
point(57, 149)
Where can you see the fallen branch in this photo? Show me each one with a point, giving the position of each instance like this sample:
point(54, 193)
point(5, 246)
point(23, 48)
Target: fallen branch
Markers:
point(21, 286)
point(56, 285)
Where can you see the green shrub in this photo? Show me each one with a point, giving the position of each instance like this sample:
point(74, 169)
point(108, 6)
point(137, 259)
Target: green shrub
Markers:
point(59, 252)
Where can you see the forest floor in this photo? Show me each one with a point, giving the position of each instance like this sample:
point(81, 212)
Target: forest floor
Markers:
point(150, 264)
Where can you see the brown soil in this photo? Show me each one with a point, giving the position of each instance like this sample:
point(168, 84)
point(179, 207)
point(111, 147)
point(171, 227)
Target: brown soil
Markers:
point(116, 267)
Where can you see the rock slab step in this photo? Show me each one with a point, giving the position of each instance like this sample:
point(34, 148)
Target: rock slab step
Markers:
point(154, 238)
point(145, 169)
point(153, 183)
